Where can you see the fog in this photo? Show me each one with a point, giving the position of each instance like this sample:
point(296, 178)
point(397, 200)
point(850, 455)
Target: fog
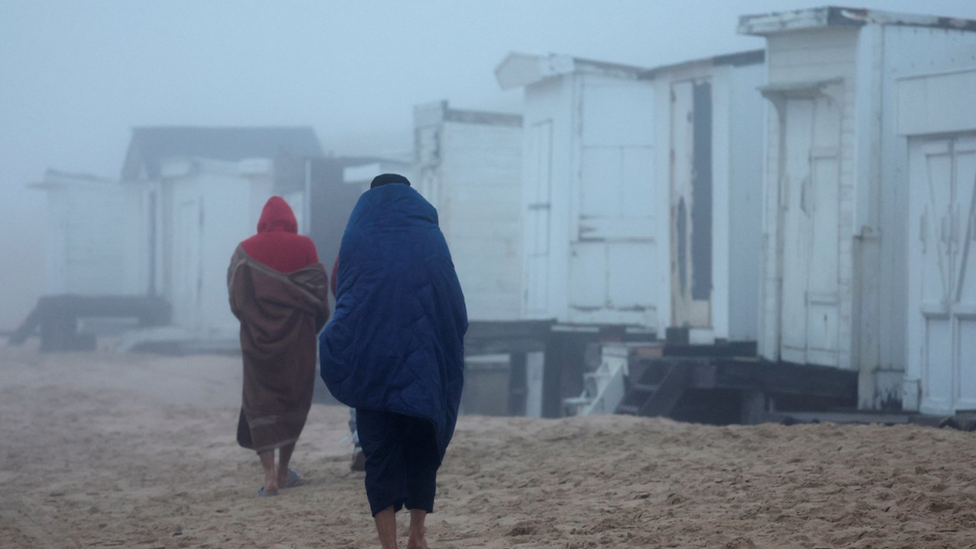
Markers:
point(694, 245)
point(75, 77)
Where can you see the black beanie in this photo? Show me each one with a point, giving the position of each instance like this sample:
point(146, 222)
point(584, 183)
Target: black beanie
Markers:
point(387, 178)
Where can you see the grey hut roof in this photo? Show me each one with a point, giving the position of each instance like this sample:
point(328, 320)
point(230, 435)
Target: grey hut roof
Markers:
point(519, 70)
point(738, 59)
point(152, 145)
point(432, 114)
point(834, 16)
point(58, 178)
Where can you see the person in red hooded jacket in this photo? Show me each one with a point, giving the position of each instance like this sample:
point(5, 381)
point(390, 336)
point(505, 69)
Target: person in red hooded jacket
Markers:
point(279, 292)
point(278, 244)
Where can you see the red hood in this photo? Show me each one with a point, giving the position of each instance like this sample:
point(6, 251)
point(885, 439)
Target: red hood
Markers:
point(277, 216)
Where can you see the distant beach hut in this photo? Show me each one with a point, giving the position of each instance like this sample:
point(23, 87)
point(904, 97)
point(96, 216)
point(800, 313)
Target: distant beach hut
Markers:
point(204, 189)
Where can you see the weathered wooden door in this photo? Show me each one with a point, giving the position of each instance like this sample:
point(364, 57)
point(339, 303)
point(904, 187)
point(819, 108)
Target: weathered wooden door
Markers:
point(612, 246)
point(942, 298)
point(537, 218)
point(809, 245)
point(691, 204)
point(964, 280)
point(187, 266)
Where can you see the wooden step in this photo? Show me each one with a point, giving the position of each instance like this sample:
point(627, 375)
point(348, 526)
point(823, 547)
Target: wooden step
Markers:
point(656, 399)
point(662, 401)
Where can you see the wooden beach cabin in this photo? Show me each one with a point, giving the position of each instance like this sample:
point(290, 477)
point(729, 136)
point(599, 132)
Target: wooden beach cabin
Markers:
point(204, 190)
point(94, 232)
point(589, 252)
point(838, 235)
point(468, 164)
point(935, 112)
point(95, 276)
point(708, 128)
point(642, 201)
point(589, 247)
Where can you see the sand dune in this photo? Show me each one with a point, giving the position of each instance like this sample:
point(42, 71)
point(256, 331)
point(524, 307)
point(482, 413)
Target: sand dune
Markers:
point(103, 450)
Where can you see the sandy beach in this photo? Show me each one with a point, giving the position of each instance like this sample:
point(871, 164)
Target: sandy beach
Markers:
point(107, 450)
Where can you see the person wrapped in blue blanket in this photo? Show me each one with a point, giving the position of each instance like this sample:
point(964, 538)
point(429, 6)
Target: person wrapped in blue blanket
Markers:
point(394, 349)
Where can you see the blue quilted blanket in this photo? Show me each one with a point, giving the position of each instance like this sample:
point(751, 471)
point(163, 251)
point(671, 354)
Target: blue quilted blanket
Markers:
point(396, 340)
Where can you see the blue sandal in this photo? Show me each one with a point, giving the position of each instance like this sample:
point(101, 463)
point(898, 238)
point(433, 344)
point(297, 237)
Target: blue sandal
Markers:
point(294, 479)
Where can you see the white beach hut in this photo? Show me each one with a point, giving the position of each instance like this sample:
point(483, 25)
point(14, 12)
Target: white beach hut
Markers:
point(836, 232)
point(468, 165)
point(937, 115)
point(95, 228)
point(708, 127)
point(589, 247)
point(641, 200)
point(204, 190)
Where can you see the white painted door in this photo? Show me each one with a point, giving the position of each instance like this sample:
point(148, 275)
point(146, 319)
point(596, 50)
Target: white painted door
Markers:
point(942, 328)
point(964, 281)
point(809, 190)
point(612, 240)
point(187, 266)
point(691, 205)
point(537, 218)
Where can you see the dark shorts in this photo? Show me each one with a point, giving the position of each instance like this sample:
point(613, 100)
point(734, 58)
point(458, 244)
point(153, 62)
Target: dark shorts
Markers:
point(401, 460)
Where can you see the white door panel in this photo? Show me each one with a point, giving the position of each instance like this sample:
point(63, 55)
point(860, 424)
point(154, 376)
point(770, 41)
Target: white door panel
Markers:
point(962, 215)
point(936, 177)
point(966, 379)
point(617, 115)
point(942, 258)
point(691, 221)
point(810, 190)
point(630, 266)
point(796, 235)
point(588, 275)
point(822, 289)
point(964, 308)
point(937, 370)
point(601, 181)
point(637, 194)
point(537, 217)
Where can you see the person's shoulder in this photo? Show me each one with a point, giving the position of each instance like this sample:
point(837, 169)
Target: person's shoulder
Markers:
point(307, 242)
point(293, 240)
point(309, 246)
point(250, 239)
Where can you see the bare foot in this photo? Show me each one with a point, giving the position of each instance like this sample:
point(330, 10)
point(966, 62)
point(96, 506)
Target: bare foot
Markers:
point(417, 542)
point(270, 487)
point(270, 484)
